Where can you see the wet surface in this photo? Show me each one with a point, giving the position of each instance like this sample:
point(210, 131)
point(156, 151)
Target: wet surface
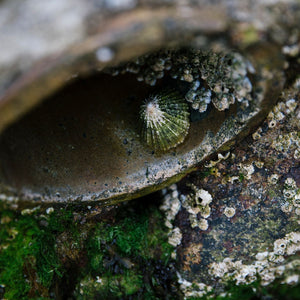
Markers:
point(85, 140)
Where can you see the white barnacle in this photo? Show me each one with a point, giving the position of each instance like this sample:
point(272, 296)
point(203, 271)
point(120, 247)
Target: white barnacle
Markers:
point(175, 237)
point(280, 246)
point(229, 212)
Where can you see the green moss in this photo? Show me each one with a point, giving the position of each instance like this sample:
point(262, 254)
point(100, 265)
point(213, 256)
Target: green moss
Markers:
point(111, 287)
point(28, 258)
point(125, 255)
point(129, 253)
point(132, 236)
point(124, 239)
point(237, 292)
point(257, 291)
point(131, 282)
point(47, 263)
point(241, 177)
point(16, 244)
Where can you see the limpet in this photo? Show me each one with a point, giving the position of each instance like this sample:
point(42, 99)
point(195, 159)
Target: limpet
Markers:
point(165, 120)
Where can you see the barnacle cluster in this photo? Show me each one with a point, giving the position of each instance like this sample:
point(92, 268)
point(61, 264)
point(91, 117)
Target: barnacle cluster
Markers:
point(291, 195)
point(280, 111)
point(194, 288)
point(193, 77)
point(171, 207)
point(197, 205)
point(267, 266)
point(207, 77)
point(287, 142)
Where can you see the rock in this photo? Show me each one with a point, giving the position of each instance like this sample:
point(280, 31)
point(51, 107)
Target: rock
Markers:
point(230, 227)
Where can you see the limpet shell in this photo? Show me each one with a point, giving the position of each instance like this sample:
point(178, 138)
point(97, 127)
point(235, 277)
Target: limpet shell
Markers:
point(165, 120)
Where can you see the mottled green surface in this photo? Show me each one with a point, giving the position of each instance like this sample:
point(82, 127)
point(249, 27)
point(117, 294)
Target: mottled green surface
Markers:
point(46, 255)
point(28, 259)
point(124, 256)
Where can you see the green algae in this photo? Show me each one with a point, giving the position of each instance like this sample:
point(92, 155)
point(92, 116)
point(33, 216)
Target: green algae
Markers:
point(50, 255)
point(27, 256)
point(126, 258)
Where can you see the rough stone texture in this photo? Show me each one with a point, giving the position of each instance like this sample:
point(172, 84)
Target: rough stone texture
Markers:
point(252, 218)
point(234, 220)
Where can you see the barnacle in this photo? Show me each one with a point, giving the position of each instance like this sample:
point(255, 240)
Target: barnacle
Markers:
point(205, 76)
point(165, 120)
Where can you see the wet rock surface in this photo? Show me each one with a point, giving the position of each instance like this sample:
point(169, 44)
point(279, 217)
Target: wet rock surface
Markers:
point(97, 35)
point(86, 143)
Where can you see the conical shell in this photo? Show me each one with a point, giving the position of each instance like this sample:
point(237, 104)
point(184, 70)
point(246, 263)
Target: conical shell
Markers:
point(165, 120)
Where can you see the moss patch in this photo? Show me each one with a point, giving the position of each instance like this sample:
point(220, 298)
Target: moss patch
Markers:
point(120, 254)
point(28, 255)
point(129, 257)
